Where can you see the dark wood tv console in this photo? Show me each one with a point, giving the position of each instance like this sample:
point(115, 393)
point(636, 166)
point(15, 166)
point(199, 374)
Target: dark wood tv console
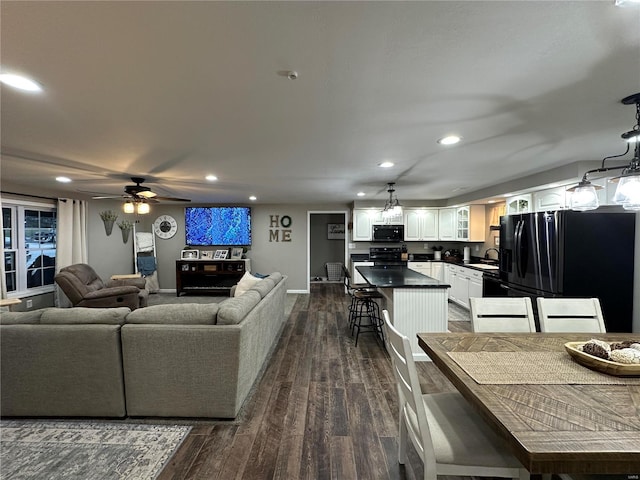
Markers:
point(203, 277)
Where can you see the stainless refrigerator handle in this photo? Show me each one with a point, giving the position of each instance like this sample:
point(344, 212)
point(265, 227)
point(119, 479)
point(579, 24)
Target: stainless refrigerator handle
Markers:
point(518, 240)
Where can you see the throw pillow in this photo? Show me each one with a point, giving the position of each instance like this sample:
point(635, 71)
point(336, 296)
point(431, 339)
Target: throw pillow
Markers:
point(246, 282)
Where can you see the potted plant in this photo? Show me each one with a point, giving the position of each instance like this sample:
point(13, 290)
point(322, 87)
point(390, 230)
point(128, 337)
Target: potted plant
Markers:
point(108, 218)
point(125, 228)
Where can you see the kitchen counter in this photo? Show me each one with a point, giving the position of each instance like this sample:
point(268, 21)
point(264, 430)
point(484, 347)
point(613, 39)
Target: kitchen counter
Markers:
point(415, 302)
point(398, 277)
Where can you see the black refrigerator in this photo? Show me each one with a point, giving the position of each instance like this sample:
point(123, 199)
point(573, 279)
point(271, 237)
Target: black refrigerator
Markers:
point(571, 254)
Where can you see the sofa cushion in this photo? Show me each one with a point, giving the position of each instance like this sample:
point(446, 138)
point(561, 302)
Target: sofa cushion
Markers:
point(16, 318)
point(276, 277)
point(79, 315)
point(263, 287)
point(234, 310)
point(176, 314)
point(246, 283)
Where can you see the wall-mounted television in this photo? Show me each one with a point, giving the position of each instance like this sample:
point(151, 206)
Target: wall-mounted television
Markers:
point(230, 226)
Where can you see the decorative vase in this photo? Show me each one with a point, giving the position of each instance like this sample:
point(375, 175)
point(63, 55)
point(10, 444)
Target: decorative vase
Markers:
point(125, 234)
point(108, 226)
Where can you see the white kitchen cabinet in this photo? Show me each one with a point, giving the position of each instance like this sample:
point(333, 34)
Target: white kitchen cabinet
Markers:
point(550, 199)
point(519, 204)
point(446, 277)
point(447, 223)
point(475, 284)
point(421, 224)
point(470, 223)
point(355, 274)
point(363, 220)
point(420, 267)
point(465, 283)
point(437, 271)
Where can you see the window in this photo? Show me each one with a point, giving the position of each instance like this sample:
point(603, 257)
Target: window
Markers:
point(29, 232)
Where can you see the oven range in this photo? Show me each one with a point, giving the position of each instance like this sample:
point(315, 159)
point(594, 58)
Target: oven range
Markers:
point(387, 256)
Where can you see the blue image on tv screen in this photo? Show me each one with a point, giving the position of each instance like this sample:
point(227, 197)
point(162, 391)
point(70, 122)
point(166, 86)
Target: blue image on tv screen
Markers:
point(218, 225)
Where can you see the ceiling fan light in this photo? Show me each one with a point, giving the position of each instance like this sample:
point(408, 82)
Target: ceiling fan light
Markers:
point(143, 208)
point(147, 194)
point(128, 207)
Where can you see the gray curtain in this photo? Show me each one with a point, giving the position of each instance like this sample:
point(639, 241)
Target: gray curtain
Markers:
point(71, 241)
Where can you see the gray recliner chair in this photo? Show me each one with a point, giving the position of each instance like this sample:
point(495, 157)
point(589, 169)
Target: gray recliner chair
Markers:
point(84, 288)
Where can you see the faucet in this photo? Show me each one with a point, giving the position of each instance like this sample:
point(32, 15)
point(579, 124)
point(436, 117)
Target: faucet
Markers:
point(486, 253)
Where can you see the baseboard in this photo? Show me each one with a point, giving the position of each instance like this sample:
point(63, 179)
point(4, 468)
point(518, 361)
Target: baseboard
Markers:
point(167, 290)
point(297, 291)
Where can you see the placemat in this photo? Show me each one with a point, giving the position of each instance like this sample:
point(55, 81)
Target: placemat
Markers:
point(531, 368)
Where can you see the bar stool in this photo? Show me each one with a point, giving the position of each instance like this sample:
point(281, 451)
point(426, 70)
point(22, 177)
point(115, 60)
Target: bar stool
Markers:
point(365, 315)
point(351, 289)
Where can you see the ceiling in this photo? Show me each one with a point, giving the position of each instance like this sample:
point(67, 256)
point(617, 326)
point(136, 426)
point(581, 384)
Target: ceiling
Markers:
point(173, 91)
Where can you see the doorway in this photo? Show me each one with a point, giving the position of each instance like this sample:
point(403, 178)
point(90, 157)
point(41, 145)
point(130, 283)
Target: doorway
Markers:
point(326, 244)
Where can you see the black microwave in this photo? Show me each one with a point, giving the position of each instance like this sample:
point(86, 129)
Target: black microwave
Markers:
point(388, 233)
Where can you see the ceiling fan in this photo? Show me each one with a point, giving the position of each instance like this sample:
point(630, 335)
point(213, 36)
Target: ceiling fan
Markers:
point(141, 192)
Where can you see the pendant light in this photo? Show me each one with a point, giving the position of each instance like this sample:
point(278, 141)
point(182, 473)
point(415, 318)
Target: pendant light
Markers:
point(392, 208)
point(584, 195)
point(628, 189)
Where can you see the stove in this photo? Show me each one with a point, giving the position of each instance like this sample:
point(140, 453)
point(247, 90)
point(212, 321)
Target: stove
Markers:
point(384, 256)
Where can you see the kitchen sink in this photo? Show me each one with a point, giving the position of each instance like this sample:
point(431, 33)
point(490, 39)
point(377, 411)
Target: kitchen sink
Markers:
point(483, 266)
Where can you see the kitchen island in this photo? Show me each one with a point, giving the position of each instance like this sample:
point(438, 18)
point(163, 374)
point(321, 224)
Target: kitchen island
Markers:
point(416, 303)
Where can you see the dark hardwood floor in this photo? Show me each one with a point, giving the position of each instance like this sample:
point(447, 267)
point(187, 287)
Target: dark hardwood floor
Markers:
point(323, 409)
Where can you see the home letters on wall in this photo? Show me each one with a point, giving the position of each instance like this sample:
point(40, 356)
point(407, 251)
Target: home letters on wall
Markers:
point(279, 228)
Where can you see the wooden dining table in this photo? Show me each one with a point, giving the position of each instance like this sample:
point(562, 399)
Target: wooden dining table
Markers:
point(556, 415)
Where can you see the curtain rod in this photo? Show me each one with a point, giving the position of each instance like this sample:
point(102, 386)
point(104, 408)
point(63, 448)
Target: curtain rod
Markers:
point(32, 196)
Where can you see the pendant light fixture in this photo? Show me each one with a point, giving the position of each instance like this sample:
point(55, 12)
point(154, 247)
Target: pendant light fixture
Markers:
point(584, 195)
point(628, 190)
point(392, 208)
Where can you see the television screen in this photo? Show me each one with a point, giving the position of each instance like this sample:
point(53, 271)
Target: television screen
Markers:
point(218, 225)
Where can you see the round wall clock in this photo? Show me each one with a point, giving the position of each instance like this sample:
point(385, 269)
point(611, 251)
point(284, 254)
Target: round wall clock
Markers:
point(165, 226)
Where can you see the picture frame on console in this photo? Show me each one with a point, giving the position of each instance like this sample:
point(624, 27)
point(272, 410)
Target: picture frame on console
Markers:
point(189, 254)
point(221, 254)
point(206, 255)
point(236, 253)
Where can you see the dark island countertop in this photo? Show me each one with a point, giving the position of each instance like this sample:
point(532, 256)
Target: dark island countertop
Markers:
point(398, 277)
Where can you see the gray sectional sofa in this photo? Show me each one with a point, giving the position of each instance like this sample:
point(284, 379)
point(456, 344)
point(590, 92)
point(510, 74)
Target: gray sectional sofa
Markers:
point(180, 360)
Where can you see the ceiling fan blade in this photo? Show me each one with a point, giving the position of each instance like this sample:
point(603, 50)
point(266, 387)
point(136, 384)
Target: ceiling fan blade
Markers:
point(171, 199)
point(105, 197)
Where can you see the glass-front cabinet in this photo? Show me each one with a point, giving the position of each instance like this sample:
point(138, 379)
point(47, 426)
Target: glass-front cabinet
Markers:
point(519, 204)
point(470, 223)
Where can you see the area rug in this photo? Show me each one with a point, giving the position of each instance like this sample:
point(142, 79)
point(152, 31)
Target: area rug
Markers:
point(62, 450)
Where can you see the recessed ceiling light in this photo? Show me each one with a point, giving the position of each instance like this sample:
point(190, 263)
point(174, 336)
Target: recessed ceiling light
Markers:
point(211, 178)
point(63, 179)
point(360, 194)
point(386, 164)
point(626, 3)
point(253, 198)
point(491, 201)
point(20, 82)
point(449, 140)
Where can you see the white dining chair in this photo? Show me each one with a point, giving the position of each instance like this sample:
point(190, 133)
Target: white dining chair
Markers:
point(570, 315)
point(502, 314)
point(450, 437)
